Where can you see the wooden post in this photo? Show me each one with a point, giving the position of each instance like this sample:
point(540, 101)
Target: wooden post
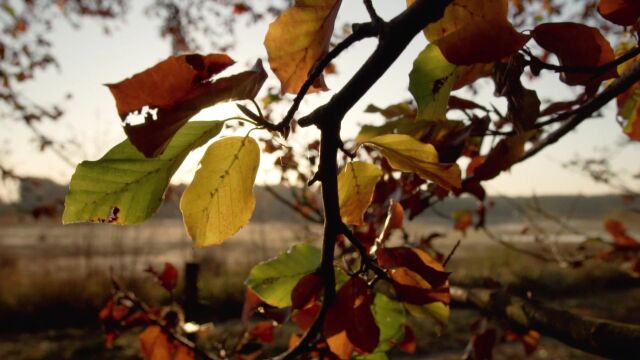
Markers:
point(191, 270)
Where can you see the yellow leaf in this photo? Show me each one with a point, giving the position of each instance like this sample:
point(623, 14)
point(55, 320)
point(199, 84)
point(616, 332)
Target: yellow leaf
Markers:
point(355, 190)
point(405, 153)
point(220, 199)
point(297, 39)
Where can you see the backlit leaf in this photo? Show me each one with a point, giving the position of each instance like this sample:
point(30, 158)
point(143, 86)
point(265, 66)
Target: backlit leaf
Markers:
point(618, 231)
point(356, 183)
point(156, 345)
point(576, 45)
point(124, 187)
point(350, 319)
point(297, 39)
point(629, 101)
point(474, 31)
point(405, 153)
point(174, 90)
point(219, 201)
point(430, 83)
point(273, 280)
point(390, 317)
point(506, 153)
point(621, 12)
point(404, 125)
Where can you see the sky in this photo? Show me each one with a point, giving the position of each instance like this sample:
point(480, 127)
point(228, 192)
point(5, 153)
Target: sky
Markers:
point(88, 59)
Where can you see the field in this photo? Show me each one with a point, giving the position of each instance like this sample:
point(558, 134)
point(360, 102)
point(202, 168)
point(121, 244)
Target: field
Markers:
point(55, 279)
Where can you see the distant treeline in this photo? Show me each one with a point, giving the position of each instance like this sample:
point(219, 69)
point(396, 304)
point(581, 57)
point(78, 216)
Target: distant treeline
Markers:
point(45, 198)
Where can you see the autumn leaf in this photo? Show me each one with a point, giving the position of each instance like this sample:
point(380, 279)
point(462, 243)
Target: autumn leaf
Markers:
point(168, 278)
point(629, 101)
point(621, 12)
point(430, 83)
point(297, 39)
point(416, 277)
point(462, 220)
point(263, 331)
point(349, 323)
point(405, 153)
point(618, 231)
point(274, 280)
point(474, 31)
point(174, 90)
point(506, 153)
point(219, 201)
point(408, 343)
point(576, 45)
point(156, 345)
point(356, 183)
point(124, 187)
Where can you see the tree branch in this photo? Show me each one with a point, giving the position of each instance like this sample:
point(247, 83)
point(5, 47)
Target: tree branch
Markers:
point(291, 205)
point(617, 87)
point(398, 33)
point(597, 336)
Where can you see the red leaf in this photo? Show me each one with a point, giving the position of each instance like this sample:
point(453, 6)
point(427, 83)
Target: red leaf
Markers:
point(178, 88)
point(576, 45)
point(415, 260)
point(251, 303)
point(305, 317)
point(263, 331)
point(408, 343)
point(306, 291)
point(621, 12)
point(350, 319)
point(169, 276)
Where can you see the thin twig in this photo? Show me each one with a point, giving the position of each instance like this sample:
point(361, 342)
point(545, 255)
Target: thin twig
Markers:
point(453, 250)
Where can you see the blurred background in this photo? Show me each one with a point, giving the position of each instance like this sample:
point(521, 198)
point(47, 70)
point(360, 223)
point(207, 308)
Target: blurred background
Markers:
point(55, 57)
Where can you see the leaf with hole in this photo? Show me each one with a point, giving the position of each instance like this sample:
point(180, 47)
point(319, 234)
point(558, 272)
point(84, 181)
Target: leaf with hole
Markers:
point(124, 187)
point(168, 94)
point(430, 83)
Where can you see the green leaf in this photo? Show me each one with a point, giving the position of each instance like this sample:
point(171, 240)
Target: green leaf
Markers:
point(430, 83)
point(124, 187)
point(390, 317)
point(219, 201)
point(273, 280)
point(436, 311)
point(407, 126)
point(355, 190)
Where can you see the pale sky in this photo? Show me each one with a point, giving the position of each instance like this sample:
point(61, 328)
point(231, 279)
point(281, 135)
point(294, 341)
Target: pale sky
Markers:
point(89, 59)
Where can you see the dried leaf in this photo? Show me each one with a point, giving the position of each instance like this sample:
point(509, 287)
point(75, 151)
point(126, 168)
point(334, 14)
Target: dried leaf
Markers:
point(621, 12)
point(175, 90)
point(576, 45)
point(297, 39)
point(474, 31)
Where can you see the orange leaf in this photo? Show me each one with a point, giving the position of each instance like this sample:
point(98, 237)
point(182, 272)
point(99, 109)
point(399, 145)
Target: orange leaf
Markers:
point(297, 39)
point(576, 45)
point(474, 31)
point(463, 219)
point(621, 12)
point(155, 344)
point(506, 153)
point(619, 233)
point(176, 89)
point(251, 303)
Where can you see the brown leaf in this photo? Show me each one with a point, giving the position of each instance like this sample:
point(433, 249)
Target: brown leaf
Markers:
point(576, 45)
point(297, 39)
point(263, 331)
point(306, 291)
point(175, 90)
point(474, 31)
point(350, 320)
point(621, 12)
point(502, 156)
point(251, 303)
